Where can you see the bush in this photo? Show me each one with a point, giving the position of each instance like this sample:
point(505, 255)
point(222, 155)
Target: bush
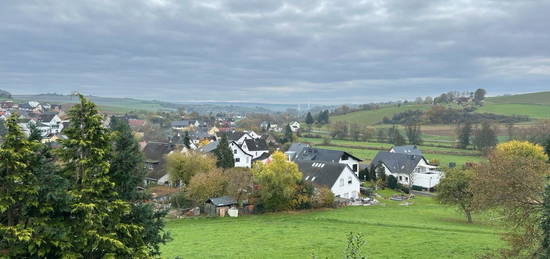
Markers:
point(327, 140)
point(405, 189)
point(324, 198)
point(392, 182)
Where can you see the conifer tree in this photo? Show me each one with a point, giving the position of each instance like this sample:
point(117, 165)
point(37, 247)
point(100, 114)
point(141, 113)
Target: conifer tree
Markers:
point(289, 137)
point(224, 154)
point(97, 217)
point(309, 119)
point(464, 134)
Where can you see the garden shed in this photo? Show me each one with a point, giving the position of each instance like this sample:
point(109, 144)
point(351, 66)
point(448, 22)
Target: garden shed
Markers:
point(219, 206)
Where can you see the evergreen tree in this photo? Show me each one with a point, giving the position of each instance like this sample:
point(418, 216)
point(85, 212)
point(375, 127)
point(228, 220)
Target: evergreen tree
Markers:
point(464, 134)
point(309, 119)
point(187, 140)
point(97, 222)
point(414, 134)
point(395, 136)
point(289, 137)
point(18, 189)
point(127, 172)
point(35, 133)
point(224, 154)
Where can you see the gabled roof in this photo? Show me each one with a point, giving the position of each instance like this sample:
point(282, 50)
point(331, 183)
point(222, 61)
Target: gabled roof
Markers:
point(222, 201)
point(155, 151)
point(264, 156)
point(182, 123)
point(256, 144)
point(321, 173)
point(210, 147)
point(297, 147)
point(46, 117)
point(320, 154)
point(397, 162)
point(234, 135)
point(408, 149)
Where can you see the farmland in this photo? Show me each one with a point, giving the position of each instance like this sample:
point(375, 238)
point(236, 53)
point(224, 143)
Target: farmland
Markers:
point(425, 229)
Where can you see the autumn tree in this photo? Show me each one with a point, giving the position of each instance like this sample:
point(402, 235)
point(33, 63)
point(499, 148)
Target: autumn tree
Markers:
point(224, 154)
point(512, 181)
point(454, 189)
point(240, 184)
point(339, 129)
point(277, 182)
point(206, 185)
point(355, 131)
point(182, 166)
point(479, 96)
point(395, 136)
point(485, 138)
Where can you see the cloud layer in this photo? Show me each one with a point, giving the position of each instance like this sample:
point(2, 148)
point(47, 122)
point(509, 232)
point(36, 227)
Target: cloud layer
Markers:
point(296, 51)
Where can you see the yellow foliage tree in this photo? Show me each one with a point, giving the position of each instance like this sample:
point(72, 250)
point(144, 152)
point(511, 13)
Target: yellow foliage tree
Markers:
point(207, 185)
point(183, 166)
point(277, 182)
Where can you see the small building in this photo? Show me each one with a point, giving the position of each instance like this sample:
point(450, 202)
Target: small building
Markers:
point(339, 178)
point(219, 206)
point(294, 126)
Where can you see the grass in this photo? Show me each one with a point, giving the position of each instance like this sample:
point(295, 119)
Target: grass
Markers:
point(423, 230)
point(530, 98)
point(534, 111)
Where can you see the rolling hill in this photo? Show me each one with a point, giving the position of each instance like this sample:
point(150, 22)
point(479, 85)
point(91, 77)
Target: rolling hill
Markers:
point(542, 98)
point(375, 116)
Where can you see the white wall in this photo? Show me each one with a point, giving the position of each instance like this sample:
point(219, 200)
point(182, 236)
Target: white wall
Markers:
point(346, 190)
point(244, 159)
point(422, 176)
point(351, 162)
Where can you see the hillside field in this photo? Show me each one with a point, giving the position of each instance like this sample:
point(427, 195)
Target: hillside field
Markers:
point(425, 229)
point(375, 116)
point(530, 98)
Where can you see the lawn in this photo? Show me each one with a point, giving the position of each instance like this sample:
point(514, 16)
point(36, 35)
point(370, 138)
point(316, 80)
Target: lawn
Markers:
point(423, 230)
point(375, 116)
point(534, 111)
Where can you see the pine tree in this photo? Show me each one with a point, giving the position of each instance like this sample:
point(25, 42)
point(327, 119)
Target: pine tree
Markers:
point(224, 154)
point(18, 189)
point(464, 134)
point(97, 217)
point(414, 134)
point(309, 119)
point(127, 172)
point(485, 138)
point(289, 137)
point(35, 133)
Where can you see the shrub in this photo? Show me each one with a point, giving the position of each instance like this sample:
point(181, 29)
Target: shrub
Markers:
point(392, 182)
point(324, 198)
point(405, 189)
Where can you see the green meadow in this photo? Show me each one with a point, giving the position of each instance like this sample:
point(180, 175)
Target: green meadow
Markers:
point(424, 229)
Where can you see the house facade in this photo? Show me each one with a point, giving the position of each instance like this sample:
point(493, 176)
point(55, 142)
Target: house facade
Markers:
point(339, 178)
point(304, 152)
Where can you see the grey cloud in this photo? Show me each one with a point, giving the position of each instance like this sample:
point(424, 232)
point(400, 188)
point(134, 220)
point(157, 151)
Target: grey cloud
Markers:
point(273, 51)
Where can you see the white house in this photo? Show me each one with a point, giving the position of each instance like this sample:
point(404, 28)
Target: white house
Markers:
point(242, 158)
point(294, 126)
point(410, 170)
point(339, 178)
point(49, 124)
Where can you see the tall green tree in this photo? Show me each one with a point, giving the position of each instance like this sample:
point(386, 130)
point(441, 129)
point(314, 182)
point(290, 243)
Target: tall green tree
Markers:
point(464, 134)
point(479, 96)
point(18, 189)
point(485, 138)
point(127, 172)
point(289, 137)
point(309, 119)
point(454, 189)
point(414, 134)
point(224, 154)
point(97, 223)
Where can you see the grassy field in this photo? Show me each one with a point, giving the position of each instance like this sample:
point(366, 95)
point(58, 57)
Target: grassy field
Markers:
point(530, 98)
point(534, 111)
point(422, 230)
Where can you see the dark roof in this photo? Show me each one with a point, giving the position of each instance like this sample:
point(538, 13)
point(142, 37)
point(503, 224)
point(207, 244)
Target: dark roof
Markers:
point(209, 147)
point(256, 144)
point(264, 156)
point(397, 162)
point(234, 135)
point(408, 149)
point(182, 123)
point(297, 147)
point(320, 154)
point(321, 173)
point(222, 201)
point(155, 151)
point(46, 117)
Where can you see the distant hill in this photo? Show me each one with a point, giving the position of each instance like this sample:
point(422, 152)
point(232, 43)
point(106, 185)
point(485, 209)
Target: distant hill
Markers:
point(372, 117)
point(530, 98)
point(4, 94)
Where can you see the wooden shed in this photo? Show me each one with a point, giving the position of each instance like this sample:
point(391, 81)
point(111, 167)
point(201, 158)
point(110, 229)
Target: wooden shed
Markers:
point(219, 206)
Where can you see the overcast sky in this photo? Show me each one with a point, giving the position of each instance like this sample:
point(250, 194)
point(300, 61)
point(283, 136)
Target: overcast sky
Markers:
point(295, 51)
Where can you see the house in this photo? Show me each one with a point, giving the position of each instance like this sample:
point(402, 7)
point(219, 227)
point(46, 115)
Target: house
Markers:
point(407, 149)
point(184, 124)
point(294, 149)
point(255, 147)
point(410, 170)
point(219, 206)
point(154, 153)
point(242, 158)
point(304, 152)
point(49, 123)
point(294, 126)
point(237, 136)
point(339, 178)
point(135, 123)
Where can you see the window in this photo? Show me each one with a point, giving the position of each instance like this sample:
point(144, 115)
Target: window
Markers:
point(407, 179)
point(400, 178)
point(349, 180)
point(355, 167)
point(341, 182)
point(150, 166)
point(237, 159)
point(235, 151)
